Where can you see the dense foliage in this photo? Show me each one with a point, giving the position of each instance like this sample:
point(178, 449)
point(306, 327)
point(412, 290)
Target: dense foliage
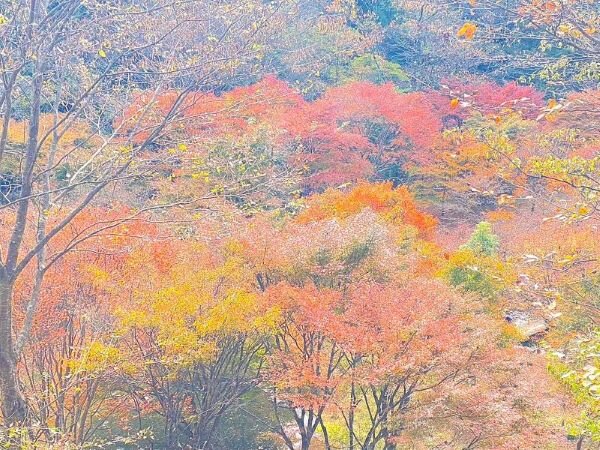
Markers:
point(297, 224)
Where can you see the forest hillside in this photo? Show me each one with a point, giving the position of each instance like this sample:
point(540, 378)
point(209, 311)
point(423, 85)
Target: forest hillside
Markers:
point(300, 224)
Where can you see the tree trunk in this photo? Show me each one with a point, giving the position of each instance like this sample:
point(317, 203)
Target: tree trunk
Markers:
point(325, 434)
point(307, 424)
point(14, 408)
point(305, 442)
point(390, 446)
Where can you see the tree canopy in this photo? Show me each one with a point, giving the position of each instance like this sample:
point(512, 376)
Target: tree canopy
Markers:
point(294, 224)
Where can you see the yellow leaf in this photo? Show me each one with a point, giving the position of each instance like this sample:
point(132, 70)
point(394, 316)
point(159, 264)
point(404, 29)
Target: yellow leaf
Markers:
point(454, 103)
point(467, 31)
point(584, 210)
point(552, 103)
point(102, 53)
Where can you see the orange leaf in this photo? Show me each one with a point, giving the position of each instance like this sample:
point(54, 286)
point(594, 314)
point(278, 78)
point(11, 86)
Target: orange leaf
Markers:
point(467, 31)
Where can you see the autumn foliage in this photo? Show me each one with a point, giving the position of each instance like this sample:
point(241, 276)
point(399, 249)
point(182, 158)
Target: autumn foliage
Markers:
point(363, 309)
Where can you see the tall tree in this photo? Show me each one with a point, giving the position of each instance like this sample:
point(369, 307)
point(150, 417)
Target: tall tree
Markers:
point(78, 62)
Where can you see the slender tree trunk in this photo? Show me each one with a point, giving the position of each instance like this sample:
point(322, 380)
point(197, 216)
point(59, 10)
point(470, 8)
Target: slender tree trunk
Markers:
point(41, 233)
point(6, 119)
point(306, 425)
point(14, 409)
point(325, 434)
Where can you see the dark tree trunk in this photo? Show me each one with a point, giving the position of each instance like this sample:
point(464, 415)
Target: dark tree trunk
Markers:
point(305, 442)
point(14, 408)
